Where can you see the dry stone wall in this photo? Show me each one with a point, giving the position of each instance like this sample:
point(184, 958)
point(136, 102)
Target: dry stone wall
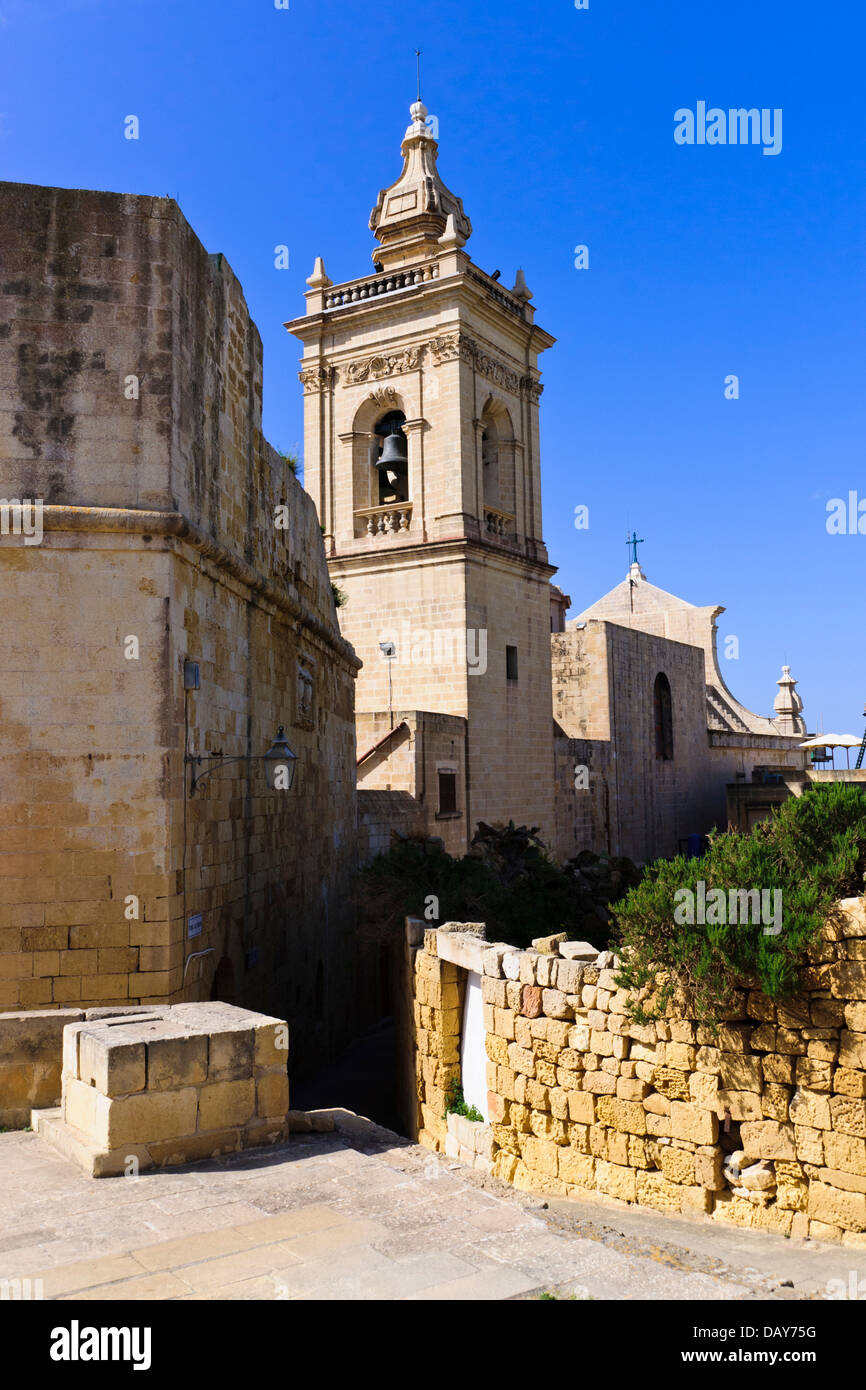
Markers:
point(759, 1122)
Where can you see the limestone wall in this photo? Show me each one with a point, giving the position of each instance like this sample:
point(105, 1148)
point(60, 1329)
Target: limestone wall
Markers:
point(760, 1123)
point(131, 378)
point(31, 1054)
point(635, 803)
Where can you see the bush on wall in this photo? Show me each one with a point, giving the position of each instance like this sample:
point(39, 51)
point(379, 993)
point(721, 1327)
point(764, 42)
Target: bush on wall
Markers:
point(811, 852)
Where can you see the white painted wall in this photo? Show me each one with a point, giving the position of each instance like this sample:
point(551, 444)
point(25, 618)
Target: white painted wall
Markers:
point(473, 1058)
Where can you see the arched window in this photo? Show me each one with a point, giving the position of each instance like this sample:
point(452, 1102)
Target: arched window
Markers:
point(393, 468)
point(490, 468)
point(664, 719)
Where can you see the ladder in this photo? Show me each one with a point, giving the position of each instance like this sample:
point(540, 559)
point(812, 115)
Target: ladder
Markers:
point(861, 753)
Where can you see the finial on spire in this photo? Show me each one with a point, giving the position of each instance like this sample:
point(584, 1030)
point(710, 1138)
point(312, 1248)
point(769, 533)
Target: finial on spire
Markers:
point(412, 214)
point(632, 542)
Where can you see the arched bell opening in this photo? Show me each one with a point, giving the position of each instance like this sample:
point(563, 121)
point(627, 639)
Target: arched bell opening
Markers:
point(389, 456)
point(498, 471)
point(490, 466)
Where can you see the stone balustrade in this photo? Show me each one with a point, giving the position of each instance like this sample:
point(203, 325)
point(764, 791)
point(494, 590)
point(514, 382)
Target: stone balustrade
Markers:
point(373, 286)
point(394, 519)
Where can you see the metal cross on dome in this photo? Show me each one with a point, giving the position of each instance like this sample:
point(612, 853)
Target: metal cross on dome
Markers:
point(633, 542)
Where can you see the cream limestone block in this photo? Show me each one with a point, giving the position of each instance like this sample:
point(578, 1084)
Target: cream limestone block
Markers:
point(155, 1115)
point(225, 1103)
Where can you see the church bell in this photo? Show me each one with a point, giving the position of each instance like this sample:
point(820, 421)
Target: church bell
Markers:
point(395, 453)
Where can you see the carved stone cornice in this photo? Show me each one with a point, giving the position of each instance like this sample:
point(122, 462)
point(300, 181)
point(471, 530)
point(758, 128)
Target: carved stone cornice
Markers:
point(450, 346)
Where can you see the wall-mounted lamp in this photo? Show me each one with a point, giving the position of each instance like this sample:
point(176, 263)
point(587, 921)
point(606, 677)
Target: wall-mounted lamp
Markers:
point(279, 764)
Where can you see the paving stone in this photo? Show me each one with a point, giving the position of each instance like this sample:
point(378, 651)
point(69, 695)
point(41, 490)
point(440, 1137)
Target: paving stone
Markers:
point(353, 1218)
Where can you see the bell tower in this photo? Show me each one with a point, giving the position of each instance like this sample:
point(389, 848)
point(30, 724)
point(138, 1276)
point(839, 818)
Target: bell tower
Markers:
point(421, 450)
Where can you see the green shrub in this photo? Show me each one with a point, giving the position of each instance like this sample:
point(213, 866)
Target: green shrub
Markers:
point(507, 882)
point(455, 1104)
point(812, 850)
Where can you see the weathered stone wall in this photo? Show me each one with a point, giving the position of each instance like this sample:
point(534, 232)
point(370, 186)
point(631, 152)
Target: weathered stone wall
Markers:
point(635, 803)
point(760, 1122)
point(31, 1053)
point(407, 762)
point(160, 498)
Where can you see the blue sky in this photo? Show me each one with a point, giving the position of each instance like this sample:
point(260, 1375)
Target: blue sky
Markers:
point(556, 128)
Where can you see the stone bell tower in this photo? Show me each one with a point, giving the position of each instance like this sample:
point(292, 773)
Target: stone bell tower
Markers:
point(421, 450)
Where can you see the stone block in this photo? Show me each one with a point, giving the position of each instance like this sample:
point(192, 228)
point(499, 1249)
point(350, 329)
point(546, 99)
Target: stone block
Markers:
point(768, 1139)
point(703, 1089)
point(691, 1123)
point(671, 1083)
point(578, 950)
point(848, 979)
point(778, 1069)
point(599, 1083)
point(741, 1105)
point(658, 1126)
point(117, 1070)
point(272, 1095)
point(810, 1108)
point(616, 1181)
point(531, 1003)
point(628, 1117)
point(835, 1207)
point(549, 945)
point(677, 1165)
point(740, 1072)
point(708, 1171)
point(581, 1107)
point(852, 1049)
point(225, 1103)
point(176, 1061)
point(849, 1083)
point(848, 1115)
point(271, 1044)
point(556, 1005)
point(845, 1152)
point(656, 1191)
point(149, 1117)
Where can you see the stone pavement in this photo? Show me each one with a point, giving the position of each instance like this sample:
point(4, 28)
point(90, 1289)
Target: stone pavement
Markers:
point(362, 1214)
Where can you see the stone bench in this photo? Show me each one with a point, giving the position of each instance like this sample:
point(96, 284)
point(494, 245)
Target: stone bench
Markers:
point(169, 1085)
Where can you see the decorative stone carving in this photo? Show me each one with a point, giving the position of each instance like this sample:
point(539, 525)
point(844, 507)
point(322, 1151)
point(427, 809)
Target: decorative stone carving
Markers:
point(387, 398)
point(449, 346)
point(315, 380)
point(382, 365)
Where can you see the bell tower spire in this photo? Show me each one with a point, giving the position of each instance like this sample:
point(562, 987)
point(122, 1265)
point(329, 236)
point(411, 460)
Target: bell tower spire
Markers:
point(412, 214)
point(421, 449)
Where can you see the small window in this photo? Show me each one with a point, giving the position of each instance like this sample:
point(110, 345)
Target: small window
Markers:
point(664, 721)
point(511, 663)
point(447, 793)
